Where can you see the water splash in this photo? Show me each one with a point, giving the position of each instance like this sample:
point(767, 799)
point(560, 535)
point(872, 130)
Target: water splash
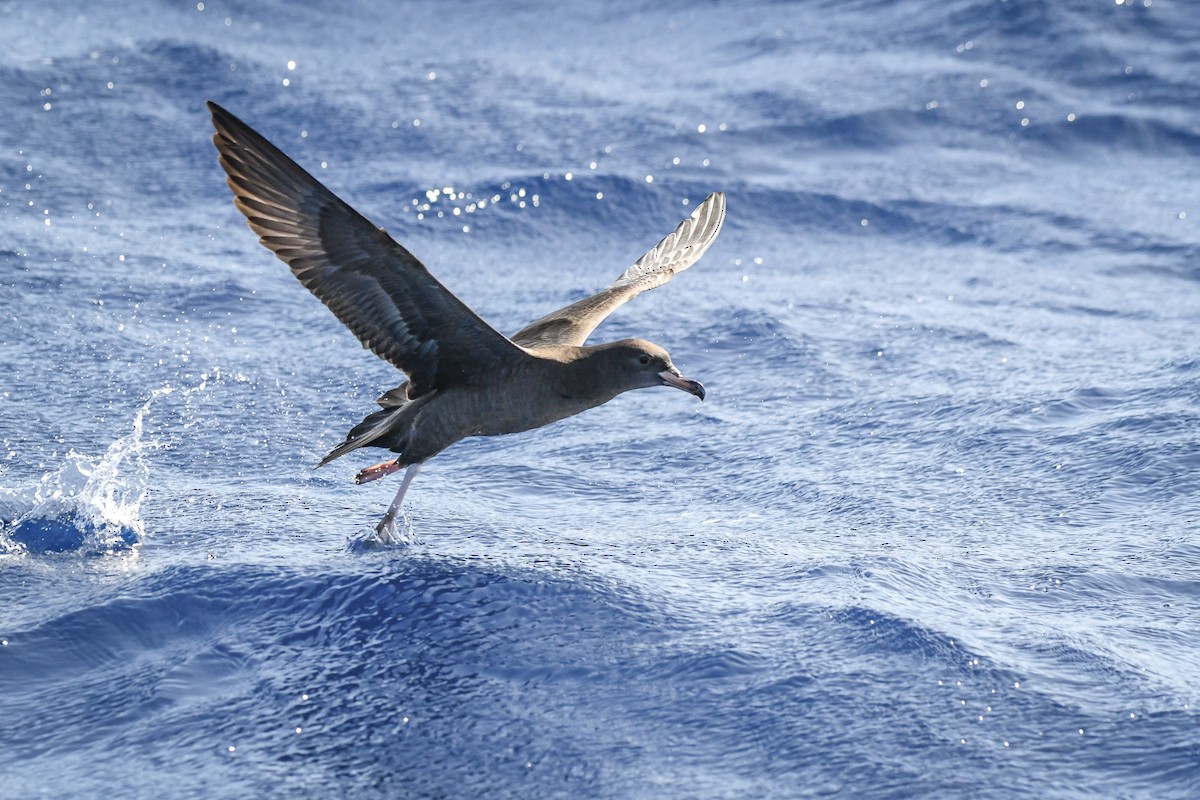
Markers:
point(400, 531)
point(88, 505)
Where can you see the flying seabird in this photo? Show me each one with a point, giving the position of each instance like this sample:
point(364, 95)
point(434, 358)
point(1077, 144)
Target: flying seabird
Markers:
point(464, 377)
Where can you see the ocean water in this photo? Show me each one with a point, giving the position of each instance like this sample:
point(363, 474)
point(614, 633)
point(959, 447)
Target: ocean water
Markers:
point(933, 533)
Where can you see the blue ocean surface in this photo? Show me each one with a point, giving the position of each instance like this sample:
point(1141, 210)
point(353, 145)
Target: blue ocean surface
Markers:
point(933, 532)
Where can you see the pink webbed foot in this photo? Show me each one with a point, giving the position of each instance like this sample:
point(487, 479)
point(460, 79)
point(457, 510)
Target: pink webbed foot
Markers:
point(377, 471)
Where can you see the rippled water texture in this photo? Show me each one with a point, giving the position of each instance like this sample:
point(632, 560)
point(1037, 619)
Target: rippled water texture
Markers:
point(931, 534)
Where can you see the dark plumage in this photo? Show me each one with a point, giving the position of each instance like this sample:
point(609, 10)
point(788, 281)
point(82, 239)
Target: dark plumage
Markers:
point(464, 377)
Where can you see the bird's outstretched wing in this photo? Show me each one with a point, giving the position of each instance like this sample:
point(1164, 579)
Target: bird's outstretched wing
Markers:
point(378, 289)
point(678, 251)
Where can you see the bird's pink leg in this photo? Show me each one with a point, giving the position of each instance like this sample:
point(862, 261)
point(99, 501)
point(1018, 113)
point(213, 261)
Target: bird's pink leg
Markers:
point(386, 529)
point(377, 471)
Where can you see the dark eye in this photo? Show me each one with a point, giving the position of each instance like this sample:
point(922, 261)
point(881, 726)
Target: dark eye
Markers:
point(643, 359)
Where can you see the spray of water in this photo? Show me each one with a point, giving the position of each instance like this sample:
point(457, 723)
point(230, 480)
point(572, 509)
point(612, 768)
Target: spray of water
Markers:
point(89, 505)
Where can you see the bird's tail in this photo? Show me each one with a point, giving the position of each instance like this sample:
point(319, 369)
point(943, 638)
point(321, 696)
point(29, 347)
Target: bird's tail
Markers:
point(381, 425)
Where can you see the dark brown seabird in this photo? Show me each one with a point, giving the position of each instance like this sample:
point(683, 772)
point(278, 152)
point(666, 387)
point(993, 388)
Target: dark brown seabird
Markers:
point(464, 377)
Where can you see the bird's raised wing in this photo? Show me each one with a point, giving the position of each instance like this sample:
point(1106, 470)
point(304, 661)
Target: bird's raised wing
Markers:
point(678, 251)
point(378, 289)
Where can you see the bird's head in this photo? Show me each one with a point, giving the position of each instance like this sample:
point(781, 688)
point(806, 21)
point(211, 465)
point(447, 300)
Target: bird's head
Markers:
point(641, 364)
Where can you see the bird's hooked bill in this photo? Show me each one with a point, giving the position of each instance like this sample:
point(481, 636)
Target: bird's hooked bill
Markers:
point(679, 382)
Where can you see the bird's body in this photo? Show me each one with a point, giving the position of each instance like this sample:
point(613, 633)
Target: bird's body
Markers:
point(464, 378)
point(556, 383)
